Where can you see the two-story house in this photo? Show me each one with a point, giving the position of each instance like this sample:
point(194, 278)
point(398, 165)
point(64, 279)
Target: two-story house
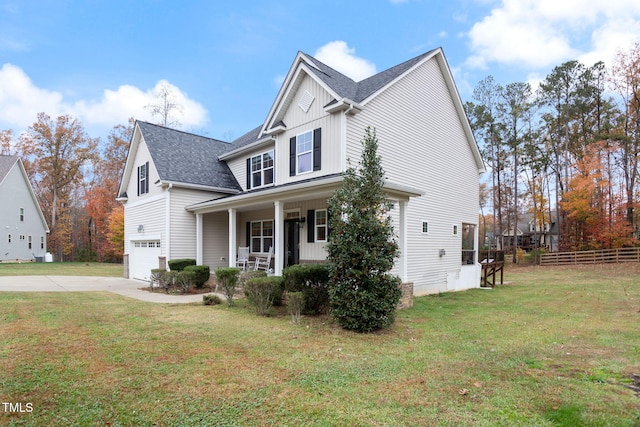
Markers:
point(24, 228)
point(190, 196)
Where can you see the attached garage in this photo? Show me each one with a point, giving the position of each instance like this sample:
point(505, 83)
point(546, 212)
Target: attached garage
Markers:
point(143, 257)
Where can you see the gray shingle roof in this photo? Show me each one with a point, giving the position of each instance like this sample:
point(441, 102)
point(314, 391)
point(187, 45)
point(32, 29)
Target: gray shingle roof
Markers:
point(344, 86)
point(187, 158)
point(6, 163)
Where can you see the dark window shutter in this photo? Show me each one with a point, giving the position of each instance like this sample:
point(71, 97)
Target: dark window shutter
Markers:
point(249, 173)
point(311, 226)
point(248, 238)
point(146, 181)
point(138, 180)
point(317, 149)
point(292, 156)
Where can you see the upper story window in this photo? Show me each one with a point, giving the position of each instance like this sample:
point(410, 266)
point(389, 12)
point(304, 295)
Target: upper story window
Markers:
point(305, 152)
point(260, 170)
point(21, 214)
point(143, 179)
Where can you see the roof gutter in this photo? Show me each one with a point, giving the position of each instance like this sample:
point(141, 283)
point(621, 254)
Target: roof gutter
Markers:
point(170, 185)
point(238, 151)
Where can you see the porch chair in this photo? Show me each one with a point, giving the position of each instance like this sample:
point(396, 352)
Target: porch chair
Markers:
point(243, 257)
point(264, 263)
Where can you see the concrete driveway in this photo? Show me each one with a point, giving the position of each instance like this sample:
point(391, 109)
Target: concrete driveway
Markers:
point(127, 287)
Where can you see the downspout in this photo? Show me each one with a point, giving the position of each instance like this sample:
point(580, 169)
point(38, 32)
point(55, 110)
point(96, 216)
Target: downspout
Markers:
point(167, 220)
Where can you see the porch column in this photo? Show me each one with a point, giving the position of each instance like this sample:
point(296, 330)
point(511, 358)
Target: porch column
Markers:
point(278, 250)
point(199, 254)
point(403, 261)
point(232, 237)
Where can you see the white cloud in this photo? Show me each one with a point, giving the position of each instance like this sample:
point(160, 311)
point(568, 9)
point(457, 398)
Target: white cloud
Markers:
point(542, 33)
point(21, 100)
point(339, 56)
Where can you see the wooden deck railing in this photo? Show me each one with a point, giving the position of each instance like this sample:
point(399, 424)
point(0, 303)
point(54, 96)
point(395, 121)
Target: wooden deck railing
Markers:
point(591, 257)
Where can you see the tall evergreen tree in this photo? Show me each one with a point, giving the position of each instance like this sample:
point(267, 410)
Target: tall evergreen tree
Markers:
point(362, 247)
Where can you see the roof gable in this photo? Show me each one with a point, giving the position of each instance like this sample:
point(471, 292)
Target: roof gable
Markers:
point(182, 158)
point(7, 164)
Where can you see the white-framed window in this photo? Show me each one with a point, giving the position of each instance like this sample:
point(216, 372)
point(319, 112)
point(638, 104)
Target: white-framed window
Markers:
point(9, 238)
point(21, 214)
point(304, 153)
point(22, 237)
point(321, 225)
point(41, 242)
point(143, 179)
point(425, 227)
point(262, 169)
point(30, 240)
point(454, 230)
point(261, 236)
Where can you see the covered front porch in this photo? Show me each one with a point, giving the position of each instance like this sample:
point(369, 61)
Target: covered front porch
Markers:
point(293, 219)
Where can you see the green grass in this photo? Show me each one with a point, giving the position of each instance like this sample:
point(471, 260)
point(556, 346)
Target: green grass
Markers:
point(60, 269)
point(555, 347)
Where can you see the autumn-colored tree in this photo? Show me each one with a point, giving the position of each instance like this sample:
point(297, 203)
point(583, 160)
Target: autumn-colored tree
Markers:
point(6, 136)
point(101, 193)
point(594, 219)
point(115, 232)
point(60, 151)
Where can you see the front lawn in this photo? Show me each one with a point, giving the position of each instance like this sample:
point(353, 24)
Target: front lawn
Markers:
point(556, 347)
point(60, 269)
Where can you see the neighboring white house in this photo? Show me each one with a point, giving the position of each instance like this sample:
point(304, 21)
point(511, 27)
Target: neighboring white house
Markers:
point(190, 196)
point(24, 229)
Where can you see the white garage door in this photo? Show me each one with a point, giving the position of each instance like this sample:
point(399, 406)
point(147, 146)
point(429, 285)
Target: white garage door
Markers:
point(144, 257)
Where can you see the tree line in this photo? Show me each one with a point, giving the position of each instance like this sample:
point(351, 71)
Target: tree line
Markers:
point(566, 154)
point(75, 178)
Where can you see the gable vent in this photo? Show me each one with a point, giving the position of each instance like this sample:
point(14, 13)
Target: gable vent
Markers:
point(306, 101)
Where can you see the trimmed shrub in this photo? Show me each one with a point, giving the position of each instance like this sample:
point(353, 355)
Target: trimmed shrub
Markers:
point(261, 292)
point(295, 304)
point(184, 280)
point(313, 281)
point(180, 264)
point(211, 299)
point(227, 281)
point(201, 274)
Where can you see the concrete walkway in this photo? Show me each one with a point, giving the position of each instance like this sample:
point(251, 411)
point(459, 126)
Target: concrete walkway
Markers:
point(128, 287)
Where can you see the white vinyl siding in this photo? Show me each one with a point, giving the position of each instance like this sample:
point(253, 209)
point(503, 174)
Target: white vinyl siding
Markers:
point(19, 216)
point(141, 157)
point(183, 222)
point(215, 240)
point(423, 145)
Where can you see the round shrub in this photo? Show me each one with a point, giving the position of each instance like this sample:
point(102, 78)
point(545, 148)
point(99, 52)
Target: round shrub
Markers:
point(180, 264)
point(313, 281)
point(261, 292)
point(211, 299)
point(201, 274)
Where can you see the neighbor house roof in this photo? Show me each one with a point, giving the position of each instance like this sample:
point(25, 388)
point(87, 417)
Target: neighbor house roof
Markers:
point(6, 164)
point(185, 158)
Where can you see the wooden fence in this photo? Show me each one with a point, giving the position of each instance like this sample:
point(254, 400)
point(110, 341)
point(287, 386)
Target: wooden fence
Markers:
point(591, 257)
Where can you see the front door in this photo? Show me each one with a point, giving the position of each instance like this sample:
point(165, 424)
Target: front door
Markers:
point(291, 242)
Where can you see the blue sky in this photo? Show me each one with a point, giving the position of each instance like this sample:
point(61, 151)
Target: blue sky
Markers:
point(102, 61)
